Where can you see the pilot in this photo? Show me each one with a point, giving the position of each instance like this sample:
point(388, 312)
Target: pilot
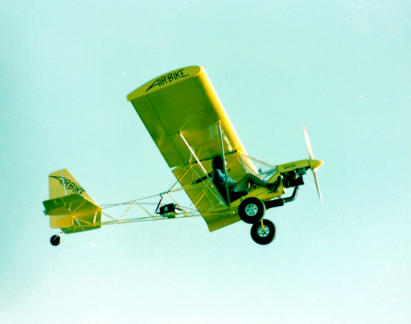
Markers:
point(235, 189)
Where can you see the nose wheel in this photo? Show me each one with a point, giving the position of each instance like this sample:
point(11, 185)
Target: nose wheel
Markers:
point(263, 232)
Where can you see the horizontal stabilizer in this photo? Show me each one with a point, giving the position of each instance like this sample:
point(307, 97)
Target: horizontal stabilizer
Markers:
point(73, 213)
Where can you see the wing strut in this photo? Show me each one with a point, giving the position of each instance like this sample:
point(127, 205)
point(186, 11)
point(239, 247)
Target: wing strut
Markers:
point(202, 167)
point(224, 166)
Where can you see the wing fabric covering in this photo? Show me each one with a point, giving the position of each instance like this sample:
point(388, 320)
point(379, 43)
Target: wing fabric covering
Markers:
point(183, 103)
point(70, 207)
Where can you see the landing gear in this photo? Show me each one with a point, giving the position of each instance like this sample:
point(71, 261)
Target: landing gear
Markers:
point(251, 210)
point(263, 232)
point(55, 240)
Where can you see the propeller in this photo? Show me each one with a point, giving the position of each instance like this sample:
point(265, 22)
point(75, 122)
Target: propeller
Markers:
point(314, 164)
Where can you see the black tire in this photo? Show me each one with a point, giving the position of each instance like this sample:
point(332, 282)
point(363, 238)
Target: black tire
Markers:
point(251, 210)
point(262, 235)
point(55, 240)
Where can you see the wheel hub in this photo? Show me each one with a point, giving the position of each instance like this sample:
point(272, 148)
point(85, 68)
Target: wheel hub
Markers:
point(251, 210)
point(263, 231)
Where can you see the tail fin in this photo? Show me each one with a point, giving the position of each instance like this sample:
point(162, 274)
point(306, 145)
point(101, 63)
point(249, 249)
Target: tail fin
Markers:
point(70, 207)
point(62, 183)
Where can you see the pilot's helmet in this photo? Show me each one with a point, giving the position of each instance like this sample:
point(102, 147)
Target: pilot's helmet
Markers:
point(218, 163)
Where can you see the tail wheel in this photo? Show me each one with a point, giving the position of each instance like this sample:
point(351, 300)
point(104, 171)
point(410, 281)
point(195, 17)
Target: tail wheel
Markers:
point(55, 240)
point(263, 232)
point(251, 210)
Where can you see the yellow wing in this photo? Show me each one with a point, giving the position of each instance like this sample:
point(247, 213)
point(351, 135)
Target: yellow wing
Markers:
point(184, 115)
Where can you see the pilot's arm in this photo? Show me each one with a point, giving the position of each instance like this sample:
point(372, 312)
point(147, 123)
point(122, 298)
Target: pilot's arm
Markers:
point(222, 179)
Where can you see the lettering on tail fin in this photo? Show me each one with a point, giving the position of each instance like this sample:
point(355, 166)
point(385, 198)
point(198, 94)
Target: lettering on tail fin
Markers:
point(69, 185)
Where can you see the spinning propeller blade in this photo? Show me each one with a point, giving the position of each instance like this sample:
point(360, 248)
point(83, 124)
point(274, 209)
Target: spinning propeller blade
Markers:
point(317, 184)
point(308, 144)
point(314, 164)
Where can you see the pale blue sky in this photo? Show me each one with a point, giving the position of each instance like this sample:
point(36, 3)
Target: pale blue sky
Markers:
point(342, 68)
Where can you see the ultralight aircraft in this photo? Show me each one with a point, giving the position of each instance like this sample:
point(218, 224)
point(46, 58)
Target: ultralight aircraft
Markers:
point(190, 127)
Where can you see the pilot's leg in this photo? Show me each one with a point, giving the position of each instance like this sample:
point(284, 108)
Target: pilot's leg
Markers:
point(242, 185)
point(246, 181)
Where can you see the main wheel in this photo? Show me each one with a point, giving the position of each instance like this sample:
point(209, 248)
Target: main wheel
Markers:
point(251, 210)
point(55, 240)
point(263, 233)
